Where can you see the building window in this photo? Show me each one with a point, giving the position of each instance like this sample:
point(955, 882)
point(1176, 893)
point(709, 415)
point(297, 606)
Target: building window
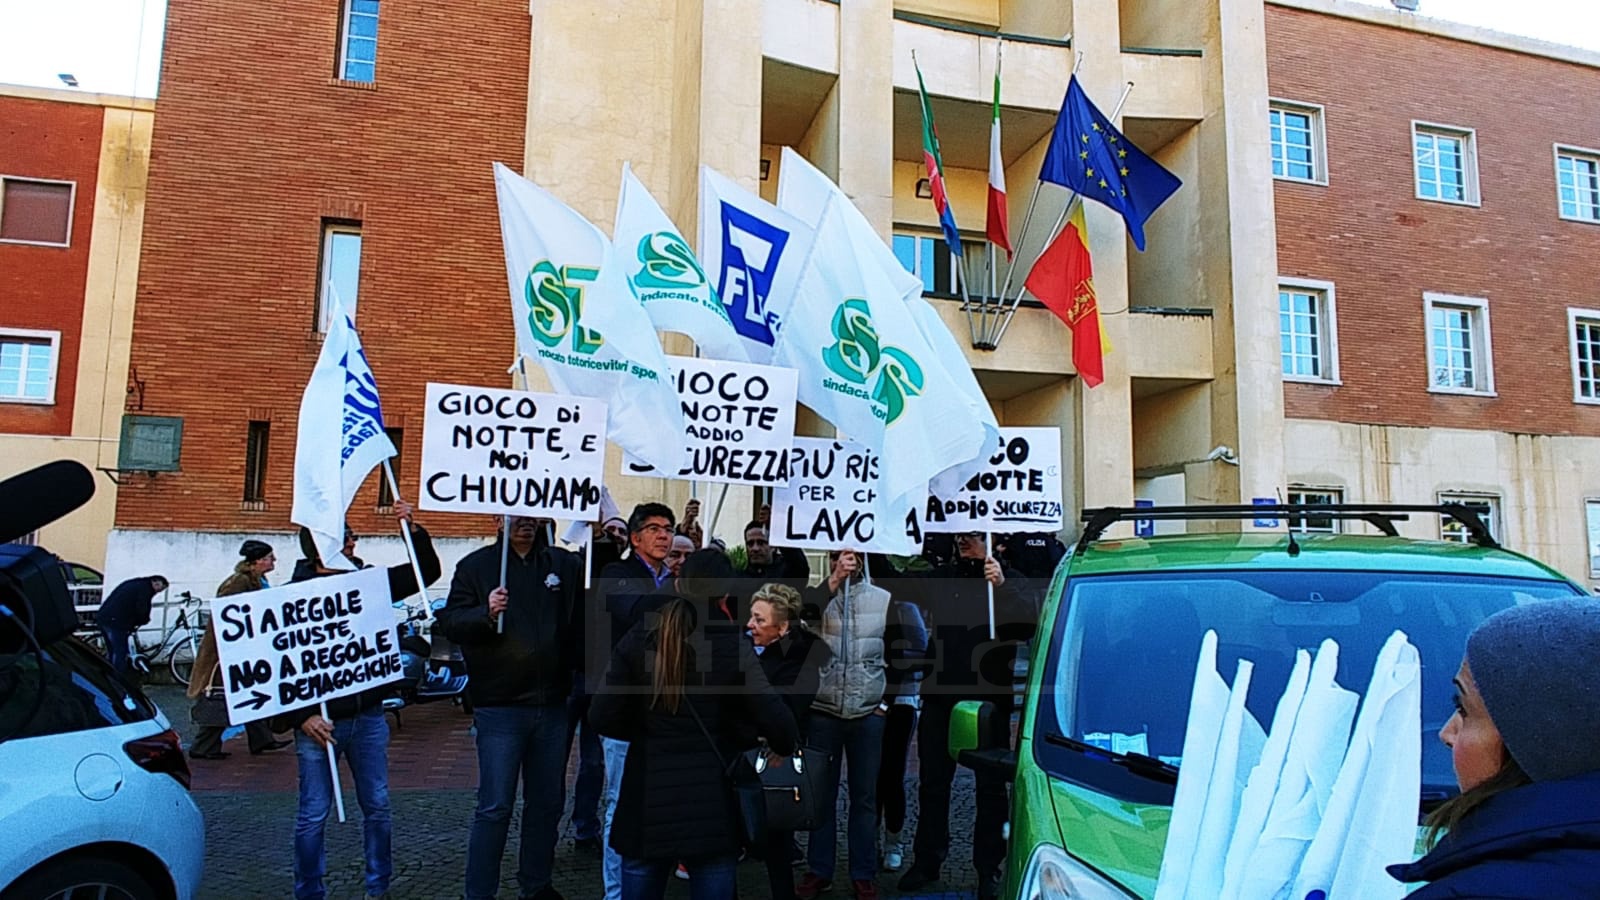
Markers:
point(1306, 334)
point(1298, 147)
point(1585, 354)
point(1446, 163)
point(358, 41)
point(1591, 514)
point(28, 365)
point(1487, 506)
point(1458, 345)
point(339, 275)
point(397, 437)
point(1314, 524)
point(928, 257)
point(1578, 183)
point(255, 465)
point(36, 212)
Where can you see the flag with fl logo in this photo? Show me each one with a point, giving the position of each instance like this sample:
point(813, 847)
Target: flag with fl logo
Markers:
point(1088, 155)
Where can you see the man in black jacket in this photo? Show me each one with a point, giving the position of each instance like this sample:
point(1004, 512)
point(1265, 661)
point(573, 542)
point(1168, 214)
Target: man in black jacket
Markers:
point(357, 731)
point(520, 641)
point(127, 610)
point(967, 665)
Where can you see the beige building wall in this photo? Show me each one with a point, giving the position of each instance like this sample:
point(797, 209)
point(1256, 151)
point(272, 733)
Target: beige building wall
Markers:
point(108, 300)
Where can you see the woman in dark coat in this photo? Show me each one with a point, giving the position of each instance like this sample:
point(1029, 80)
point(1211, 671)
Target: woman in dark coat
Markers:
point(1525, 743)
point(791, 657)
point(678, 687)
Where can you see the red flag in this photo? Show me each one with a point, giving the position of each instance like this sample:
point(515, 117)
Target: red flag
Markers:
point(1063, 279)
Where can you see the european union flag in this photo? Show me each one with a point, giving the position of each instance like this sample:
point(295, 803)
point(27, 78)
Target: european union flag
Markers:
point(1091, 157)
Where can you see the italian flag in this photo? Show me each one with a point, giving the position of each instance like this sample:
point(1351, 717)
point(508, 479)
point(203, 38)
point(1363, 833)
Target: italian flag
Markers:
point(998, 232)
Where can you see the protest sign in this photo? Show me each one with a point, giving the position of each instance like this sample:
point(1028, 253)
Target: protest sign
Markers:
point(308, 642)
point(517, 453)
point(738, 422)
point(1019, 490)
point(833, 502)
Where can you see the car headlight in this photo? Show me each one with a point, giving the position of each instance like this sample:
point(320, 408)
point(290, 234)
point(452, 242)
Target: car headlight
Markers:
point(1054, 875)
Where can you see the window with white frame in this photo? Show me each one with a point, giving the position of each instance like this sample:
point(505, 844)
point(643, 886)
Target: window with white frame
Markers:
point(358, 41)
point(34, 211)
point(1446, 163)
point(1487, 506)
point(1314, 524)
point(1297, 142)
point(1306, 333)
point(1458, 344)
point(1578, 183)
point(1585, 330)
point(928, 257)
point(339, 275)
point(28, 365)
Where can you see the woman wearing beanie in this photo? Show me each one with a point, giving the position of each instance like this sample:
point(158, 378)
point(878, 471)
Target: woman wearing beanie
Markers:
point(1525, 743)
point(249, 574)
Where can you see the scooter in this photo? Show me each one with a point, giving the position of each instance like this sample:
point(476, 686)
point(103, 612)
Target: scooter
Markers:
point(428, 675)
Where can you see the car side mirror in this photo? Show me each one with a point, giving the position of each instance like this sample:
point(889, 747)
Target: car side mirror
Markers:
point(970, 741)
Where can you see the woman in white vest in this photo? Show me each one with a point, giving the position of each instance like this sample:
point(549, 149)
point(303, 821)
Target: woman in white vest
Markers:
point(847, 721)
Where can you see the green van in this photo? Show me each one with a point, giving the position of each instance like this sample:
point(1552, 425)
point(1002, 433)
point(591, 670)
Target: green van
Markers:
point(1102, 726)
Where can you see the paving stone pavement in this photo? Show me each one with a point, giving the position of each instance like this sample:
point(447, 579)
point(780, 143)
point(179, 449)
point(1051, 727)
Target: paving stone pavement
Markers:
point(249, 806)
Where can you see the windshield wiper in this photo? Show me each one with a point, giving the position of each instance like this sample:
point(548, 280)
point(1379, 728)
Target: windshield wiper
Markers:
point(1137, 763)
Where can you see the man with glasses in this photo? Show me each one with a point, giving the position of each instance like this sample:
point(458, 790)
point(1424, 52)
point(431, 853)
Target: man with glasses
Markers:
point(630, 589)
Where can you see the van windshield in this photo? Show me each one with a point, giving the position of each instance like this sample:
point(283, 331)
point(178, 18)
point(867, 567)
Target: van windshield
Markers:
point(1122, 659)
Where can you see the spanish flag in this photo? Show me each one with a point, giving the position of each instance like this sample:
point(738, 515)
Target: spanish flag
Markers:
point(1063, 280)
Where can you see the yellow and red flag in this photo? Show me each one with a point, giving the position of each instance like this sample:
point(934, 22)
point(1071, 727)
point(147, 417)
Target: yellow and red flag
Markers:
point(1063, 279)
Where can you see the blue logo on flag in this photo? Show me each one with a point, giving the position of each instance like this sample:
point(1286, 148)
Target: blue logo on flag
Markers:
point(363, 415)
point(751, 250)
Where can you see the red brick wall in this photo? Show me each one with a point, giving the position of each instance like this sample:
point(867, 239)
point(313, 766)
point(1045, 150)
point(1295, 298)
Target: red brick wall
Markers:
point(254, 144)
point(41, 288)
point(1382, 248)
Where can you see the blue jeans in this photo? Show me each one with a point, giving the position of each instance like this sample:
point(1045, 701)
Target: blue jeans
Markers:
point(709, 879)
point(363, 742)
point(117, 650)
point(530, 741)
point(862, 741)
point(591, 765)
point(611, 862)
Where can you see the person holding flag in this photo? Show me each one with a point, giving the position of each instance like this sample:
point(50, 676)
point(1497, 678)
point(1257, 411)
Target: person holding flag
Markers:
point(340, 440)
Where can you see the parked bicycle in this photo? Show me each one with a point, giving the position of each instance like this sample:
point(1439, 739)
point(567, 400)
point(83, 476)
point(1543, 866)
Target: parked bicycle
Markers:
point(179, 642)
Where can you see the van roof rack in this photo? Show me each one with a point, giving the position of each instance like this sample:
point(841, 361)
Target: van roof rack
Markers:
point(1380, 516)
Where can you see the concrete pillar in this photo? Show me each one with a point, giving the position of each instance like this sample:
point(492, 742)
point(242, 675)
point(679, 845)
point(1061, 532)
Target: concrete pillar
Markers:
point(866, 109)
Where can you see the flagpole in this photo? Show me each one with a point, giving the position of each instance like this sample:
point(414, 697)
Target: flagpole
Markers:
point(989, 268)
point(988, 544)
point(405, 535)
point(505, 556)
point(926, 104)
point(333, 764)
point(1010, 314)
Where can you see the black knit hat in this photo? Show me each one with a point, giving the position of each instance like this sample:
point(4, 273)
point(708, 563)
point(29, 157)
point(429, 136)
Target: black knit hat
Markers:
point(253, 550)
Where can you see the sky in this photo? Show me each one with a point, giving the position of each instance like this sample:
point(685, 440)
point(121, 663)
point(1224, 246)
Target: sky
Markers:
point(102, 43)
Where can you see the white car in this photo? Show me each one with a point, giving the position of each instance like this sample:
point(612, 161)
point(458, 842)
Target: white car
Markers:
point(94, 787)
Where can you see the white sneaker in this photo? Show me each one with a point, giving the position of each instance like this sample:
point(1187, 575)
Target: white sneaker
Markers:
point(682, 873)
point(893, 852)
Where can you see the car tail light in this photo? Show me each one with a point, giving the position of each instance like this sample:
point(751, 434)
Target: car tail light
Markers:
point(160, 753)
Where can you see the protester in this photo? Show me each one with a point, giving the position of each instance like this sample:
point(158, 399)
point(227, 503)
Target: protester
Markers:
point(905, 652)
point(520, 639)
point(791, 658)
point(969, 666)
point(631, 589)
point(690, 526)
point(1525, 743)
point(124, 612)
point(847, 722)
point(356, 730)
point(610, 544)
point(249, 574)
point(764, 563)
point(676, 691)
point(680, 549)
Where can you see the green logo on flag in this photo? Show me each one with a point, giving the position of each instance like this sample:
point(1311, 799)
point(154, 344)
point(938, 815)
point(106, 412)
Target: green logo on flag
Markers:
point(668, 263)
point(858, 357)
point(555, 306)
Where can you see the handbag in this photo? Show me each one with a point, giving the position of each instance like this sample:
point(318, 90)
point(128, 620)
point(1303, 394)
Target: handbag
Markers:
point(210, 709)
point(750, 804)
point(791, 788)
